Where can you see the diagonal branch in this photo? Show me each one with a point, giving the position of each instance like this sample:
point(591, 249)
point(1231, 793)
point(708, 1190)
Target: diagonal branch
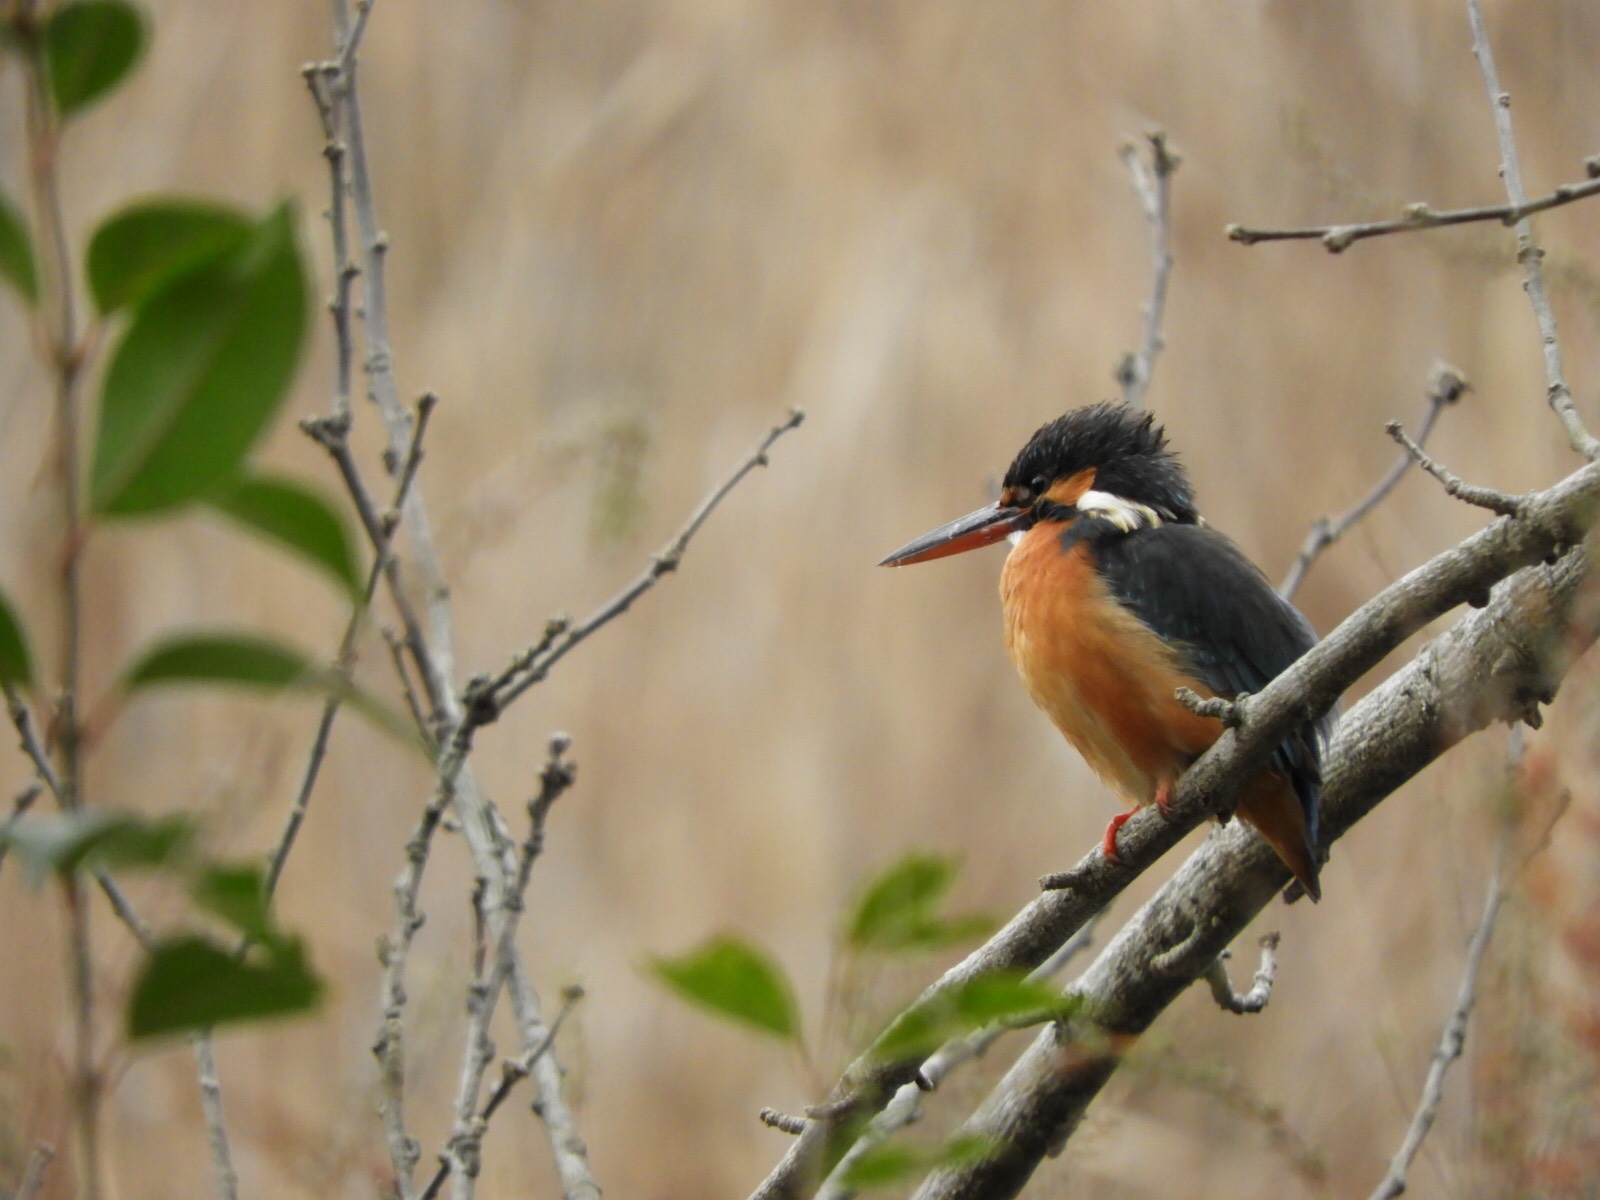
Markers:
point(1552, 521)
point(1484, 669)
point(1446, 385)
point(561, 637)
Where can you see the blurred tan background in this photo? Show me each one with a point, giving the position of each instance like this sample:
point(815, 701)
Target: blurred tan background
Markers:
point(626, 238)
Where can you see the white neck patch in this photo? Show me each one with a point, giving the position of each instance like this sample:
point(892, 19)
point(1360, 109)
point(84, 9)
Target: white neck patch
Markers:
point(1126, 515)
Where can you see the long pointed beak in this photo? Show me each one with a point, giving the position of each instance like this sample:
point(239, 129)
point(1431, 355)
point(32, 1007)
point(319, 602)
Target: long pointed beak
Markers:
point(982, 528)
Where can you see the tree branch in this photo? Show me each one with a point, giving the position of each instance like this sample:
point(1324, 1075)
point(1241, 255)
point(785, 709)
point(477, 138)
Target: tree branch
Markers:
point(1502, 503)
point(1338, 238)
point(1482, 670)
point(1446, 385)
point(561, 637)
point(1256, 999)
point(1451, 1041)
point(1553, 521)
point(1528, 252)
point(1153, 185)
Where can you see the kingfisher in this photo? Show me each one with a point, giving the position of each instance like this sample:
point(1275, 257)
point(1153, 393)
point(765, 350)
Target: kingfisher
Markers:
point(1116, 593)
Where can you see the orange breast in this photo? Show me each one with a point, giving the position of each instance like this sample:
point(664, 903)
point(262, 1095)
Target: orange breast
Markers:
point(1102, 676)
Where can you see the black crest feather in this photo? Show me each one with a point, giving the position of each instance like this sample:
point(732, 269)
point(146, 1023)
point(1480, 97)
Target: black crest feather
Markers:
point(1125, 446)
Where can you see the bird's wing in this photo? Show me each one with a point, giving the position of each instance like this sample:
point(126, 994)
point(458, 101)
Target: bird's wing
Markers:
point(1198, 592)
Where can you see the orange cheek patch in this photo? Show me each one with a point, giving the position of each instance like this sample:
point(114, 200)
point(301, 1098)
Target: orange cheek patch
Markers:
point(1071, 489)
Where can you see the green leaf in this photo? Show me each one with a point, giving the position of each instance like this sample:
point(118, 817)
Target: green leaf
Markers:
point(998, 997)
point(67, 842)
point(237, 894)
point(737, 981)
point(16, 664)
point(16, 252)
point(137, 250)
point(893, 1162)
point(199, 375)
point(90, 46)
point(896, 911)
point(251, 661)
point(900, 899)
point(299, 518)
point(189, 983)
point(240, 659)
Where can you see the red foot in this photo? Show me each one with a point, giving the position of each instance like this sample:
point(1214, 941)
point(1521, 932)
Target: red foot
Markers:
point(1164, 798)
point(1109, 846)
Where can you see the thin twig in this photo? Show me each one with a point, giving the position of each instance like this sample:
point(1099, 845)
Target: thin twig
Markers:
point(345, 269)
point(1153, 185)
point(1260, 992)
point(39, 1160)
point(344, 663)
point(1446, 385)
point(397, 653)
point(512, 1072)
point(570, 1154)
point(461, 1154)
point(24, 801)
point(1529, 254)
point(782, 1122)
point(536, 667)
point(1337, 238)
point(352, 41)
point(67, 360)
point(389, 1048)
point(907, 1105)
point(1451, 1041)
point(216, 1127)
point(1503, 503)
point(1229, 712)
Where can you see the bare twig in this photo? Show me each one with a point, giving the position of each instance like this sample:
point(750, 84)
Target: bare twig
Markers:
point(345, 269)
point(397, 653)
point(1446, 385)
point(1502, 503)
point(389, 1049)
point(216, 1126)
point(1451, 1041)
point(344, 663)
point(530, 668)
point(1229, 712)
point(1529, 254)
point(433, 655)
point(571, 1155)
point(1253, 1001)
point(39, 1160)
point(1337, 238)
point(783, 1122)
point(461, 1155)
point(352, 39)
point(907, 1104)
point(24, 801)
point(512, 1072)
point(1153, 185)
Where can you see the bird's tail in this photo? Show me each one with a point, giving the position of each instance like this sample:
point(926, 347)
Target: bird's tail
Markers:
point(1273, 808)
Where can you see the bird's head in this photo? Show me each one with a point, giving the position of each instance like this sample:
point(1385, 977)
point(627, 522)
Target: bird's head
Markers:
point(1106, 460)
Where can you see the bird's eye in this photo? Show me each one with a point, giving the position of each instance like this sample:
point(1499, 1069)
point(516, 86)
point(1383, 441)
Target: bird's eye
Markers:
point(1039, 485)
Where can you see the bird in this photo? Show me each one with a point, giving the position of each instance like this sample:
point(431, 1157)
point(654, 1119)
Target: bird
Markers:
point(1115, 594)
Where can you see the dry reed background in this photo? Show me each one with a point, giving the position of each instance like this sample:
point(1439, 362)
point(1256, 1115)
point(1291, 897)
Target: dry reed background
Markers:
point(626, 237)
